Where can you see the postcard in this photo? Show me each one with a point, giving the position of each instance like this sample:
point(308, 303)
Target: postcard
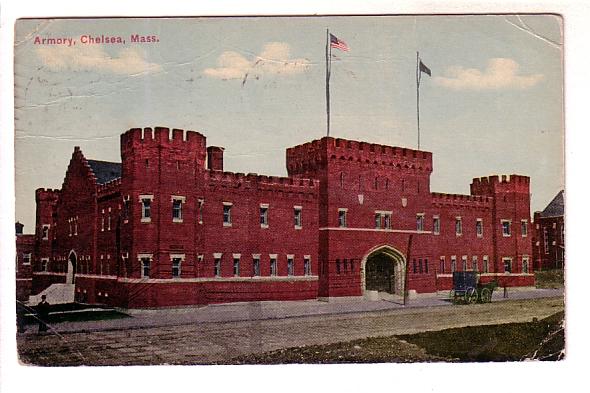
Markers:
point(289, 189)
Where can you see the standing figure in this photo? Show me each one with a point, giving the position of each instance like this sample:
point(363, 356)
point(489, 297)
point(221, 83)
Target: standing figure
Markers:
point(43, 313)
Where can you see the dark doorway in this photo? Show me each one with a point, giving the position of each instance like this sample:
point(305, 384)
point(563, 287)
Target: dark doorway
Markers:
point(71, 268)
point(379, 273)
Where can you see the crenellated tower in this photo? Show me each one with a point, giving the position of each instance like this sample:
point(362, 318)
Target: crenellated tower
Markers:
point(160, 168)
point(511, 219)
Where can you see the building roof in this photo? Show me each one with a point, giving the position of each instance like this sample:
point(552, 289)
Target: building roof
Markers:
point(555, 207)
point(105, 171)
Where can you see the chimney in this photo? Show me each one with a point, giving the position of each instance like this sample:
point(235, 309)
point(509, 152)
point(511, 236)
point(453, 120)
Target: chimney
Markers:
point(215, 158)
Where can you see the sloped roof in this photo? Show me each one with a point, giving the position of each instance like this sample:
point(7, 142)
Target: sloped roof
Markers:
point(105, 171)
point(555, 207)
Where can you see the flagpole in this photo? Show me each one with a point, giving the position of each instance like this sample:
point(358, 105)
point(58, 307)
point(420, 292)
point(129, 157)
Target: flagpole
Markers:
point(328, 60)
point(418, 95)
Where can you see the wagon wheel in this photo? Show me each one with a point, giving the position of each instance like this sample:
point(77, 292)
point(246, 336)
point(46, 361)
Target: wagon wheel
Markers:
point(452, 295)
point(471, 295)
point(486, 295)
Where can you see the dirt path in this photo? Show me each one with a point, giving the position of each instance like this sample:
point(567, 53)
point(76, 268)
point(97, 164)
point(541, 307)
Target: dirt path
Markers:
point(206, 343)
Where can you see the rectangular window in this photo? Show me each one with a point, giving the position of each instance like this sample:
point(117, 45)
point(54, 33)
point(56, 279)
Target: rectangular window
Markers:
point(236, 266)
point(453, 264)
point(545, 240)
point(507, 265)
point(415, 266)
point(506, 228)
point(44, 264)
point(45, 232)
point(27, 259)
point(474, 266)
point(176, 210)
point(146, 210)
point(345, 263)
point(264, 216)
point(145, 267)
point(273, 266)
point(227, 220)
point(108, 224)
point(436, 225)
point(200, 205)
point(217, 267)
point(486, 266)
point(420, 266)
point(342, 218)
point(102, 224)
point(524, 228)
point(307, 266)
point(297, 217)
point(290, 267)
point(126, 208)
point(479, 227)
point(382, 220)
point(525, 264)
point(256, 266)
point(337, 266)
point(426, 266)
point(458, 226)
point(176, 267)
point(420, 222)
point(464, 262)
point(441, 265)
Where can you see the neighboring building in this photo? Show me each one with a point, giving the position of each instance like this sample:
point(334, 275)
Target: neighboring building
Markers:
point(549, 239)
point(25, 249)
point(169, 227)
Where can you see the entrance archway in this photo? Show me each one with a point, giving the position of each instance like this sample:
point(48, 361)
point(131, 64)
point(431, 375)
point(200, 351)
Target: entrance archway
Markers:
point(72, 260)
point(384, 270)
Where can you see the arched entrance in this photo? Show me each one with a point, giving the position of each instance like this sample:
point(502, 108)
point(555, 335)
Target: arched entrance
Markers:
point(384, 271)
point(72, 259)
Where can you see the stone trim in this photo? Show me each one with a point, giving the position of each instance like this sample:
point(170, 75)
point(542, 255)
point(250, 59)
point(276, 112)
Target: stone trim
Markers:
point(373, 230)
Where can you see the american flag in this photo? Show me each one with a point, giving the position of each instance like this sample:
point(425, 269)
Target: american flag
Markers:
point(337, 43)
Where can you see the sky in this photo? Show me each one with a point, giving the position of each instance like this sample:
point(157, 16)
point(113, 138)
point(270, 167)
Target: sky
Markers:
point(494, 103)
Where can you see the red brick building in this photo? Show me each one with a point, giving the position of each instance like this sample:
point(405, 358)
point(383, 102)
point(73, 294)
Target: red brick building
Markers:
point(167, 226)
point(25, 249)
point(549, 239)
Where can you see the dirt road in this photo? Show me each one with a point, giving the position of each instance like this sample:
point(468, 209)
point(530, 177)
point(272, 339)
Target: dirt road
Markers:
point(214, 342)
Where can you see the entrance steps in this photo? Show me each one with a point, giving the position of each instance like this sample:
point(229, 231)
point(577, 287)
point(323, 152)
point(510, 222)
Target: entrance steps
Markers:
point(56, 294)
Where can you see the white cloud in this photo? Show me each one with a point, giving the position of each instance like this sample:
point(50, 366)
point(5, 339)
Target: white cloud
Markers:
point(274, 59)
point(128, 61)
point(500, 73)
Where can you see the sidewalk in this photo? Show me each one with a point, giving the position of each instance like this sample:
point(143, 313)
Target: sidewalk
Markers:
point(249, 311)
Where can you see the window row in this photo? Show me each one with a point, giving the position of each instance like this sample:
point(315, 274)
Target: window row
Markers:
point(465, 264)
point(236, 265)
point(345, 266)
point(177, 214)
point(383, 220)
point(475, 266)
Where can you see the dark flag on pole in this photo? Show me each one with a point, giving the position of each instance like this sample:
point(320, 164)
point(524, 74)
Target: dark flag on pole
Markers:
point(420, 68)
point(424, 69)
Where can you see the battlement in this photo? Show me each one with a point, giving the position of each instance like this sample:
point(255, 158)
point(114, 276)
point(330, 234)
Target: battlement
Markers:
point(489, 185)
point(109, 188)
point(317, 152)
point(263, 182)
point(477, 201)
point(161, 136)
point(47, 194)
